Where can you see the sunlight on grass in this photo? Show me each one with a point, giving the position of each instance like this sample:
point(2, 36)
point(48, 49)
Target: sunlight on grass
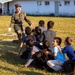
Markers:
point(10, 63)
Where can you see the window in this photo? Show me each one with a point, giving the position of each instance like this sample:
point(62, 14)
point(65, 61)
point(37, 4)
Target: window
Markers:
point(66, 2)
point(74, 2)
point(39, 3)
point(47, 2)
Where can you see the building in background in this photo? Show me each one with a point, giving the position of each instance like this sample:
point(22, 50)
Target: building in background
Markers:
point(3, 9)
point(43, 7)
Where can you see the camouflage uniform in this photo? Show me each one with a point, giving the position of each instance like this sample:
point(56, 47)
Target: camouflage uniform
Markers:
point(17, 21)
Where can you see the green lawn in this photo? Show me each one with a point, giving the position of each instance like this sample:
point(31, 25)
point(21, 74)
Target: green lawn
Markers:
point(10, 64)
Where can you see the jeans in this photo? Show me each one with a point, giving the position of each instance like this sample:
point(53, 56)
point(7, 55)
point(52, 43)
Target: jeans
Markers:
point(55, 64)
point(28, 62)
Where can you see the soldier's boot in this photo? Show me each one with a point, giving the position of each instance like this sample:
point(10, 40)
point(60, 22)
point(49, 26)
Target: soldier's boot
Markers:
point(19, 37)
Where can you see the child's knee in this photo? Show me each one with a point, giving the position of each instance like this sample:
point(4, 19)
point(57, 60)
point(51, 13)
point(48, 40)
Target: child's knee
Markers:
point(50, 64)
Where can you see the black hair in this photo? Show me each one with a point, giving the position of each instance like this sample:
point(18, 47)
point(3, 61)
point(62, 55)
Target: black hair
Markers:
point(41, 23)
point(38, 30)
point(50, 24)
point(30, 42)
point(58, 40)
point(28, 30)
point(46, 44)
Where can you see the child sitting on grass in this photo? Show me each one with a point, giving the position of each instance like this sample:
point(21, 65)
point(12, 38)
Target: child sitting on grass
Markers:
point(34, 49)
point(41, 25)
point(48, 34)
point(37, 35)
point(43, 55)
point(68, 49)
point(59, 58)
point(28, 36)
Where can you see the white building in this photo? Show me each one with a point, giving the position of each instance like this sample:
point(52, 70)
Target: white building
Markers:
point(43, 7)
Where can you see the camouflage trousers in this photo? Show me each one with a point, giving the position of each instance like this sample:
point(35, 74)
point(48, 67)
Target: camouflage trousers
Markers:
point(20, 31)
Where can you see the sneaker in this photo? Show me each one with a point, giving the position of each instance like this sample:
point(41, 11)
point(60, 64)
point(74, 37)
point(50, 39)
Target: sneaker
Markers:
point(16, 41)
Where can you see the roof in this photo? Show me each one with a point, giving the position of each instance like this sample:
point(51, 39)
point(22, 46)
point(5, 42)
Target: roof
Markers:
point(4, 1)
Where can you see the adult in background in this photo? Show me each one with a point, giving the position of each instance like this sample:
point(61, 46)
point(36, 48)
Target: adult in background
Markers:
point(17, 21)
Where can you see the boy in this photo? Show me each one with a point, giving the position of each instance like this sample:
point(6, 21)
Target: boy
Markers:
point(29, 36)
point(37, 35)
point(59, 58)
point(43, 55)
point(49, 34)
point(41, 25)
point(34, 49)
point(68, 49)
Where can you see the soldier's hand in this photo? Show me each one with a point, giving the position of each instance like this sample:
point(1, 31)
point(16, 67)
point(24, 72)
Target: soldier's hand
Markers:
point(9, 29)
point(32, 26)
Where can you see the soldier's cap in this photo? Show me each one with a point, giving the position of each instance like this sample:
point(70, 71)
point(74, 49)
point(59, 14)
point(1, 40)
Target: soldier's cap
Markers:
point(17, 5)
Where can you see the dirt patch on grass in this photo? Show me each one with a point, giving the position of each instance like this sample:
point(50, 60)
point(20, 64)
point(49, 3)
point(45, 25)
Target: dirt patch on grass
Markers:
point(8, 34)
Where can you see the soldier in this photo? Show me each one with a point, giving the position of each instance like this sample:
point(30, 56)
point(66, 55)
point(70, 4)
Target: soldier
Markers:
point(17, 21)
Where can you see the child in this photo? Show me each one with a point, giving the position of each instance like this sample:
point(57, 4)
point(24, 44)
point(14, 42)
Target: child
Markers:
point(41, 25)
point(34, 49)
point(68, 49)
point(49, 34)
point(59, 58)
point(43, 55)
point(29, 36)
point(37, 35)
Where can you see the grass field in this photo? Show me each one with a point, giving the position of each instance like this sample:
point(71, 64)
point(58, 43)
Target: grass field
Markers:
point(10, 64)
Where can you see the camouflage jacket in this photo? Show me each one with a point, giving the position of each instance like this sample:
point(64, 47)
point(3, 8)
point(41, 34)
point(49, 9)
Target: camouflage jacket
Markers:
point(18, 19)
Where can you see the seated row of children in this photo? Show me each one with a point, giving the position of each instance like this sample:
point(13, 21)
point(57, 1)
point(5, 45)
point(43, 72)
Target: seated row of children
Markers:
point(43, 49)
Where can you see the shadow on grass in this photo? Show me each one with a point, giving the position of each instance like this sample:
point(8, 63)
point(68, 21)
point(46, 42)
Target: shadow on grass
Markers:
point(30, 73)
point(8, 51)
point(7, 69)
point(8, 45)
point(20, 72)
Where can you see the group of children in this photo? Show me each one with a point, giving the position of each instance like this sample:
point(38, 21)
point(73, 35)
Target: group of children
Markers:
point(44, 49)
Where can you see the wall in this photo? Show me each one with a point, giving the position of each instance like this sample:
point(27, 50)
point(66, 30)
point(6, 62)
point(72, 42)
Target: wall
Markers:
point(67, 9)
point(31, 7)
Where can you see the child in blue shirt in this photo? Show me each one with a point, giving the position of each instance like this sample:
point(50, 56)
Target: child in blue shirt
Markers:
point(68, 49)
point(28, 36)
point(59, 58)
